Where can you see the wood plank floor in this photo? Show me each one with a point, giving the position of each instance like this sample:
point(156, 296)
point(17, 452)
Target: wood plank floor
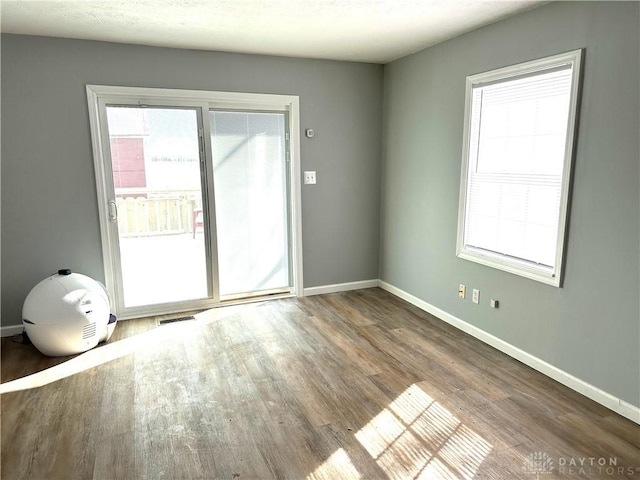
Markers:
point(348, 385)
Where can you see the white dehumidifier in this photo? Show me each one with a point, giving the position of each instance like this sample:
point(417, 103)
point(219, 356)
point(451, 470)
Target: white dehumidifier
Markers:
point(67, 313)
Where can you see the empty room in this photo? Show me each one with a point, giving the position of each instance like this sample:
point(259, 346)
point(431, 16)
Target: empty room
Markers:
point(342, 239)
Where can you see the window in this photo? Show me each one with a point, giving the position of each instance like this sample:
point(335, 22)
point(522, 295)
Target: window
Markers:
point(516, 166)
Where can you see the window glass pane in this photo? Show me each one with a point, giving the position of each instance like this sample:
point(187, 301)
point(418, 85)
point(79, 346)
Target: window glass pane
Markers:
point(249, 161)
point(524, 124)
point(156, 174)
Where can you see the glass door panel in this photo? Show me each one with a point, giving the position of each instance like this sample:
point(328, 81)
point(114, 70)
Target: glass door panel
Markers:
point(251, 198)
point(155, 159)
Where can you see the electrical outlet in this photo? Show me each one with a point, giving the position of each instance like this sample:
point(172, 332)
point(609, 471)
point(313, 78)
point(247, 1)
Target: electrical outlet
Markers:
point(310, 178)
point(462, 291)
point(476, 296)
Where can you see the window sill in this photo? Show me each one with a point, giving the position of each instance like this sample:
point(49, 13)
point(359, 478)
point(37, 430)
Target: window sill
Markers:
point(522, 269)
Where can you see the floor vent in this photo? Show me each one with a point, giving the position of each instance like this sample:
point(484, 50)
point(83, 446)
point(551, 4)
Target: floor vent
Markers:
point(174, 320)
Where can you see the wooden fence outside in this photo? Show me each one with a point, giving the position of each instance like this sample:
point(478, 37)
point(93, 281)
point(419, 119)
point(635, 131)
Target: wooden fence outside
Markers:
point(143, 212)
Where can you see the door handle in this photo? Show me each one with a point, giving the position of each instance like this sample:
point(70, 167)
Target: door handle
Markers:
point(113, 211)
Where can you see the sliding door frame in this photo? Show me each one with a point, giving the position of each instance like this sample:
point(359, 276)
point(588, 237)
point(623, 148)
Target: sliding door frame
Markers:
point(99, 96)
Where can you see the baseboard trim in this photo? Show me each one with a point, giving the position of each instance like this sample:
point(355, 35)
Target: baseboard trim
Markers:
point(10, 330)
point(340, 287)
point(619, 406)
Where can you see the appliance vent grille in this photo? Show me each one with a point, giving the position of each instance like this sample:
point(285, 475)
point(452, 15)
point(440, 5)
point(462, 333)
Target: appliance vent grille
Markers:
point(89, 331)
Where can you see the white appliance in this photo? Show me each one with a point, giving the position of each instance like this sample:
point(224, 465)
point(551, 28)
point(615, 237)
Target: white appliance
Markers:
point(67, 313)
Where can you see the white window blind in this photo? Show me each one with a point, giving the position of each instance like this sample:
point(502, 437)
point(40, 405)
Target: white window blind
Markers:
point(517, 138)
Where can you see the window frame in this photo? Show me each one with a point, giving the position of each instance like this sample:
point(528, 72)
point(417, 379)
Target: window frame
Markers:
point(496, 260)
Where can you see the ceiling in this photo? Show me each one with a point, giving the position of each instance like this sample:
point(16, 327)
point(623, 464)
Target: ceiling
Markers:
point(376, 31)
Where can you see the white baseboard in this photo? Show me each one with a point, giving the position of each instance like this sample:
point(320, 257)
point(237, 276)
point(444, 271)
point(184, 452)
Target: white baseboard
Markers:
point(340, 287)
point(600, 396)
point(11, 330)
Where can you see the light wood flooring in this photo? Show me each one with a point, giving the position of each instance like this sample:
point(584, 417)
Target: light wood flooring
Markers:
point(348, 385)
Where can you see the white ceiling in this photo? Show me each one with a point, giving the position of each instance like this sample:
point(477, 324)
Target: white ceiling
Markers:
point(377, 31)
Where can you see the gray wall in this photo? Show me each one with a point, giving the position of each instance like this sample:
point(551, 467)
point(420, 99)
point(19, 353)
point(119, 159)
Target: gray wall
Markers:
point(49, 211)
point(589, 328)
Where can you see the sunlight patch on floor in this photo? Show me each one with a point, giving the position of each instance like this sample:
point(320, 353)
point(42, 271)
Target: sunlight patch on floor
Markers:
point(102, 354)
point(337, 465)
point(416, 437)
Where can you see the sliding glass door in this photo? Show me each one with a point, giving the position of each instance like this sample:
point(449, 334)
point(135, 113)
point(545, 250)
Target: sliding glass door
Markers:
point(196, 200)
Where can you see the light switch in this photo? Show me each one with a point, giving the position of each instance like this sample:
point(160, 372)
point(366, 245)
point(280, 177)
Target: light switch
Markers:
point(310, 178)
point(476, 296)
